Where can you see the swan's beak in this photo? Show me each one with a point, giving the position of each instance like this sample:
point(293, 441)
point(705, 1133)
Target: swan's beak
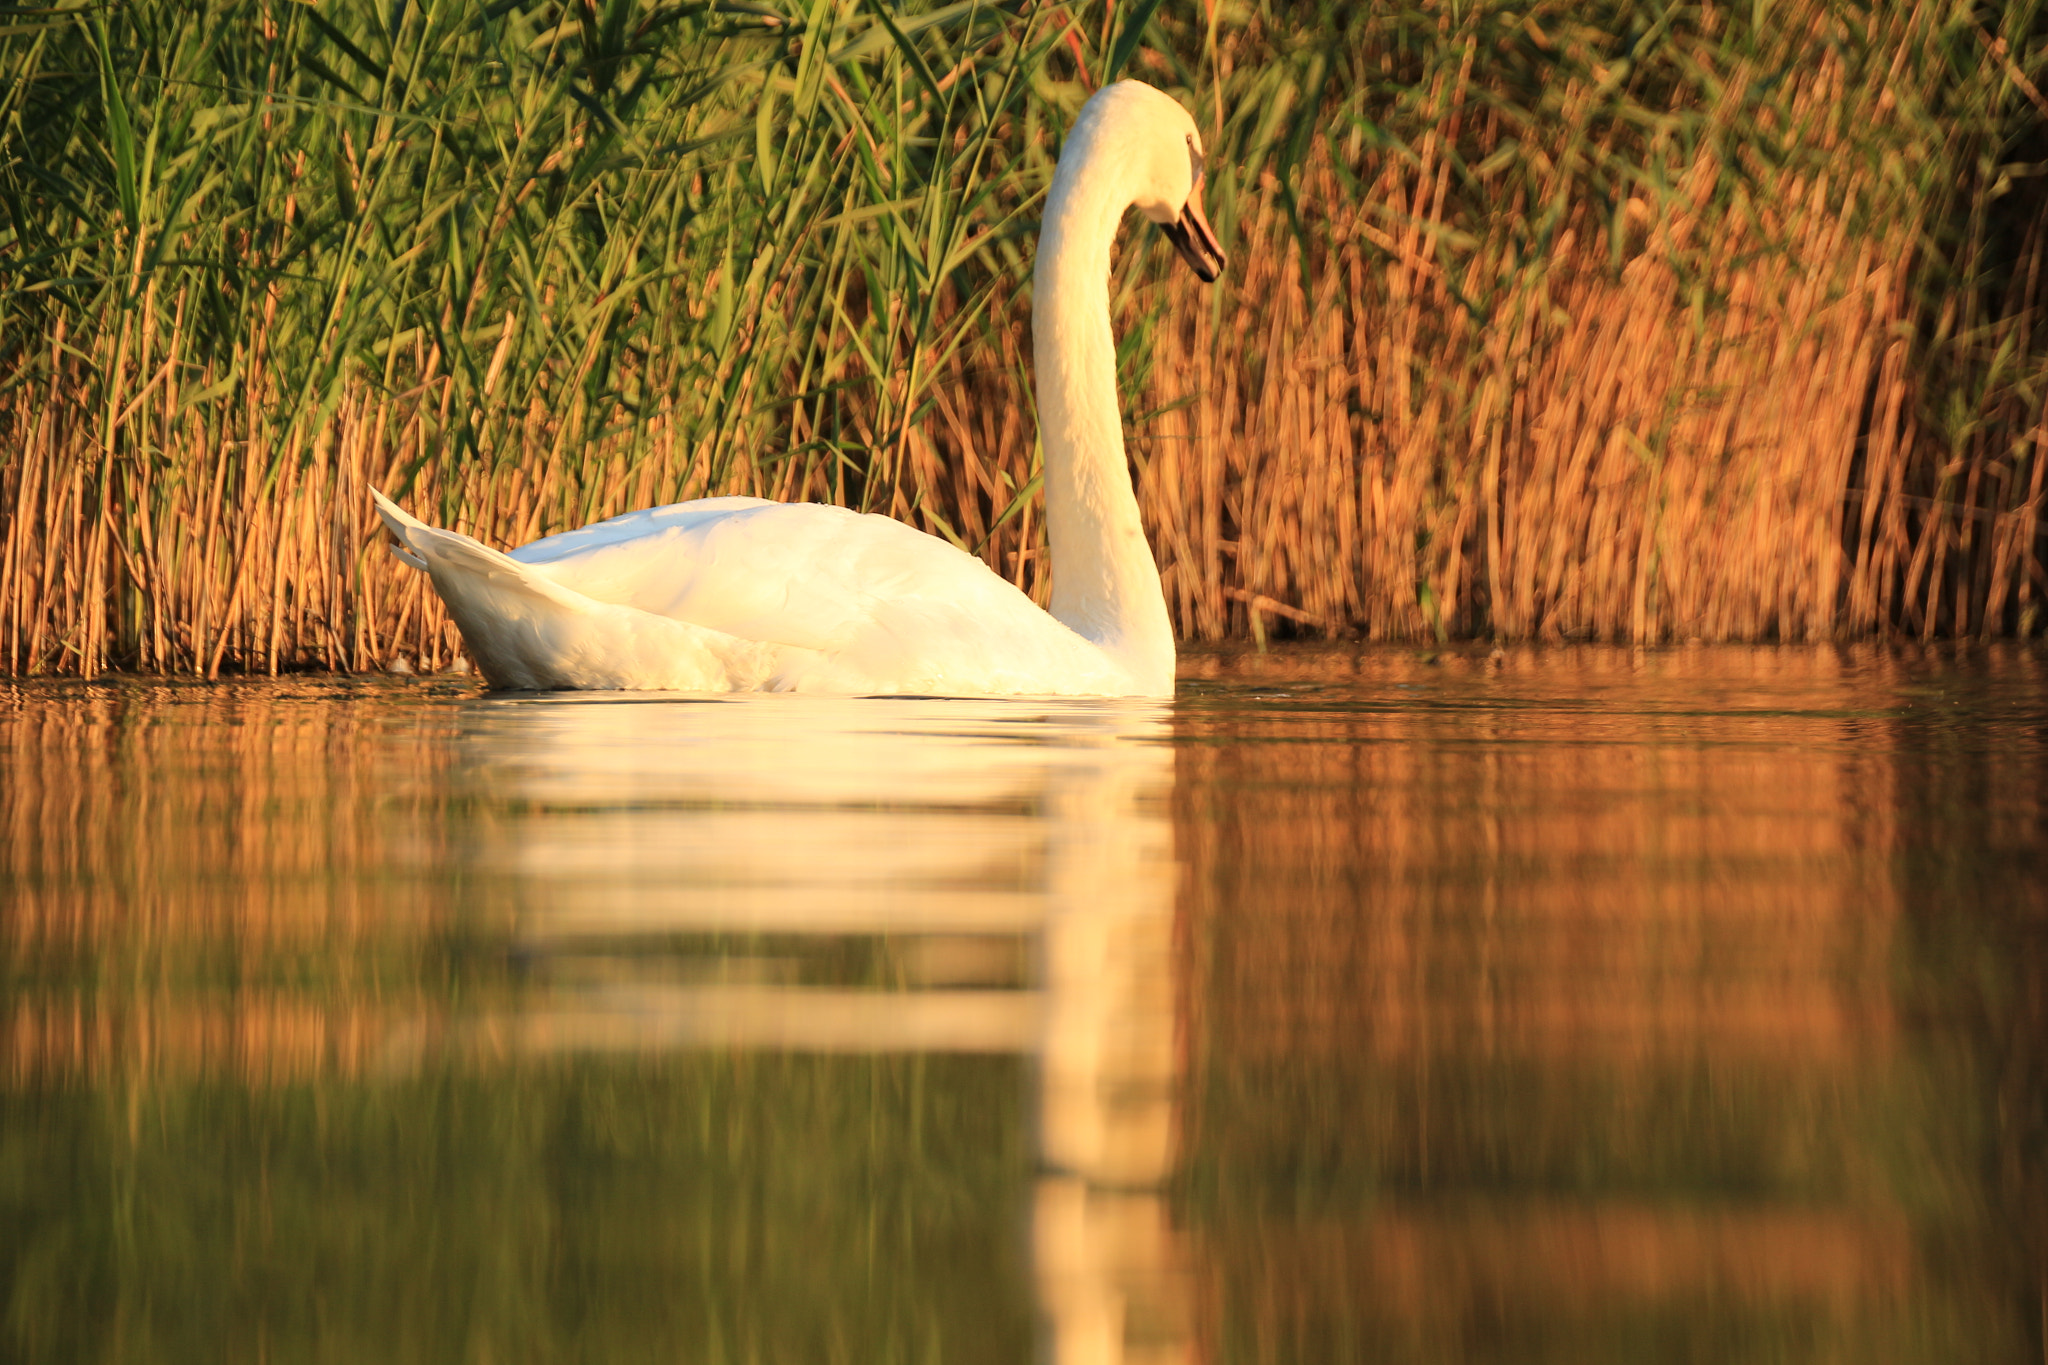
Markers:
point(1193, 239)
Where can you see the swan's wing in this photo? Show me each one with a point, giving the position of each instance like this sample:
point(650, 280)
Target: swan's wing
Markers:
point(883, 604)
point(528, 630)
point(631, 526)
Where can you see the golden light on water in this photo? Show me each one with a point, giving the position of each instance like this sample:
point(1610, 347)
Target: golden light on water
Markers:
point(1543, 997)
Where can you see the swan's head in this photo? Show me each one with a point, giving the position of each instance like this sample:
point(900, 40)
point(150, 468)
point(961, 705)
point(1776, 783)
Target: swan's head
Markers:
point(1157, 152)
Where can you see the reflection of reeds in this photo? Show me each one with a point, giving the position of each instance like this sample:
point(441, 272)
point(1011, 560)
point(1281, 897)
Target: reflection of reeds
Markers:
point(197, 880)
point(707, 1208)
point(1610, 325)
point(1617, 885)
point(1543, 991)
point(1565, 1259)
point(1638, 903)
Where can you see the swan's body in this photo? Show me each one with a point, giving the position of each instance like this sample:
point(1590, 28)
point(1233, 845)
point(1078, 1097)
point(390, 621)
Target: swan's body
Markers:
point(743, 594)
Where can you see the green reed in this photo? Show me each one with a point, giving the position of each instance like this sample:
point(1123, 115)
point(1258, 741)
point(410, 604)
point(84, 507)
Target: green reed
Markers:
point(1630, 321)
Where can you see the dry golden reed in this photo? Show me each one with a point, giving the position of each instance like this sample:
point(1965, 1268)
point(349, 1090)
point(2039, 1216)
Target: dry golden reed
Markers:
point(1538, 326)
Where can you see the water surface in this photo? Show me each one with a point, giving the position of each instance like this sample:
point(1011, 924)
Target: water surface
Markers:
point(1577, 1004)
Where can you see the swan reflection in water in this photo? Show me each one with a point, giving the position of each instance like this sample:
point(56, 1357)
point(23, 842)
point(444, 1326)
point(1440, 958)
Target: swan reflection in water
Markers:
point(953, 831)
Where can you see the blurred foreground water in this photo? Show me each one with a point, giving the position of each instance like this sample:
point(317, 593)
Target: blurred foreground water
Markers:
point(1575, 1005)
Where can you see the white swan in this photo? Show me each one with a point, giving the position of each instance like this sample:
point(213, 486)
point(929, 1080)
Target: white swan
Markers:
point(744, 594)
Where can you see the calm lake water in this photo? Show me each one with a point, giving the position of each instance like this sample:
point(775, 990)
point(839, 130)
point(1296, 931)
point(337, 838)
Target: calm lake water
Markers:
point(1566, 1005)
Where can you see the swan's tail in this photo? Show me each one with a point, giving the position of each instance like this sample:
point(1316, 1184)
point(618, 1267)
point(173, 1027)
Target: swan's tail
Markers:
point(529, 632)
point(401, 524)
point(424, 546)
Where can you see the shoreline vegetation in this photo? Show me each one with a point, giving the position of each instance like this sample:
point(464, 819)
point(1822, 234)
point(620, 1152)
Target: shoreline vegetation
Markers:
point(1544, 321)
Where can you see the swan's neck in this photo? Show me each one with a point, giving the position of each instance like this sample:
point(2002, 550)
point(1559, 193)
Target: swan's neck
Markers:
point(1105, 585)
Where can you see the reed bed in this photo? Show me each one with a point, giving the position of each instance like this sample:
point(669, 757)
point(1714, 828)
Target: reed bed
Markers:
point(1544, 321)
